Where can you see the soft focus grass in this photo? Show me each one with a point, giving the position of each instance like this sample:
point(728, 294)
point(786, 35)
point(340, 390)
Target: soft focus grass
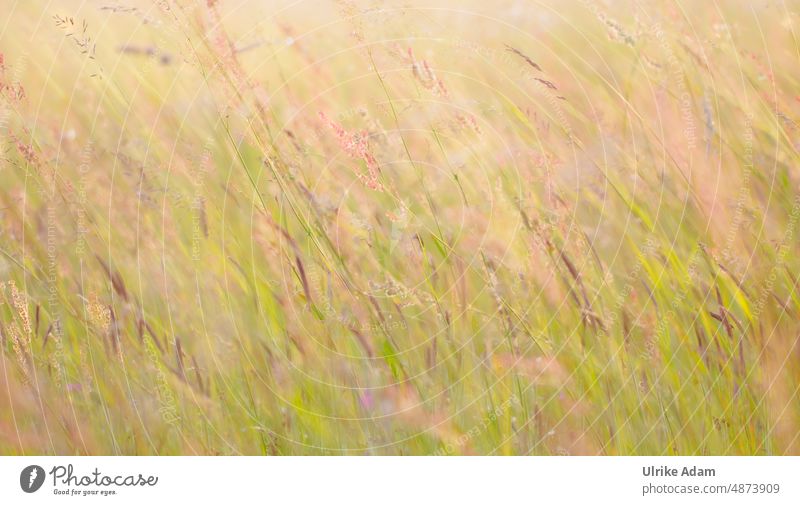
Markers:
point(515, 228)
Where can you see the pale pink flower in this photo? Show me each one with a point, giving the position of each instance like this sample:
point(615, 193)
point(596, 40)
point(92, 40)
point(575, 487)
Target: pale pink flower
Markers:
point(356, 145)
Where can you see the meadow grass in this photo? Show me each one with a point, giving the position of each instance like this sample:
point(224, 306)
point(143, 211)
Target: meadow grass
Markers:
point(234, 227)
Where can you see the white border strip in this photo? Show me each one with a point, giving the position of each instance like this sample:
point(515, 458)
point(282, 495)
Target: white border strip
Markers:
point(401, 480)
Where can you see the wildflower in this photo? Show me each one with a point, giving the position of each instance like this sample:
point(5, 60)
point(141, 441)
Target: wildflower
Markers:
point(356, 145)
point(425, 75)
